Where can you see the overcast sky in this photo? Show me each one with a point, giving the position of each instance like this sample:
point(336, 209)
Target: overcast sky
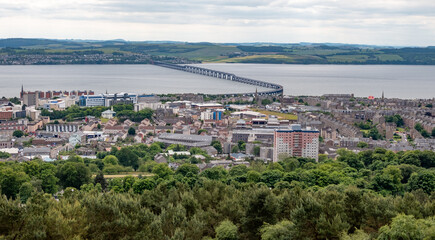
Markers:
point(380, 22)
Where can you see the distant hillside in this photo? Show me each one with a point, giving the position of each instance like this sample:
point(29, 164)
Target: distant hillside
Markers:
point(299, 53)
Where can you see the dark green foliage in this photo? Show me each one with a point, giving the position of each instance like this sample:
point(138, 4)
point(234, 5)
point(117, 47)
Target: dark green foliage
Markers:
point(418, 127)
point(423, 132)
point(217, 145)
point(383, 196)
point(15, 100)
point(271, 177)
point(266, 101)
point(99, 179)
point(397, 119)
point(74, 112)
point(261, 207)
point(215, 173)
point(134, 116)
point(362, 145)
point(11, 180)
point(187, 168)
point(127, 157)
point(424, 180)
point(162, 171)
point(4, 155)
point(18, 133)
point(407, 227)
point(73, 174)
point(131, 131)
point(226, 231)
point(257, 151)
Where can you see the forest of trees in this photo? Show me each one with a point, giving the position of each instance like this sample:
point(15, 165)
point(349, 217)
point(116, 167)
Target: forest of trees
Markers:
point(373, 194)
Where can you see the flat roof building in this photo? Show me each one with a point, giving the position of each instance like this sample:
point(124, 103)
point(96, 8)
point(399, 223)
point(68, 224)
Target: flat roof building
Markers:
point(296, 142)
point(107, 100)
point(183, 139)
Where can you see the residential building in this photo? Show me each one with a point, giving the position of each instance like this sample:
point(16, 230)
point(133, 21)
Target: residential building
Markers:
point(62, 127)
point(296, 142)
point(109, 114)
point(30, 98)
point(6, 141)
point(215, 115)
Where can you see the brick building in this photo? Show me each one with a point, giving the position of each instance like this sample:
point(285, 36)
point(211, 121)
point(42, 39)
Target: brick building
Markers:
point(296, 142)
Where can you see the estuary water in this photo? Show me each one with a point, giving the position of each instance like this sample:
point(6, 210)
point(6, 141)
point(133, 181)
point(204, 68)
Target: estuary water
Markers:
point(398, 81)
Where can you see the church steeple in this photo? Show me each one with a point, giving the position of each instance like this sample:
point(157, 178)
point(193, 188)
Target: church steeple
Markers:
point(382, 95)
point(22, 91)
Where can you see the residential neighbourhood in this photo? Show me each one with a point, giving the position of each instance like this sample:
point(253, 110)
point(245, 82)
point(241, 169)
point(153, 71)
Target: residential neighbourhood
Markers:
point(55, 124)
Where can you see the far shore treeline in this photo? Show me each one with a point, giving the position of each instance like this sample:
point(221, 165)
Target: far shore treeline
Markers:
point(46, 51)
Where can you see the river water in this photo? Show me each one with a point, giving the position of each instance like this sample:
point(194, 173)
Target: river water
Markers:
point(398, 81)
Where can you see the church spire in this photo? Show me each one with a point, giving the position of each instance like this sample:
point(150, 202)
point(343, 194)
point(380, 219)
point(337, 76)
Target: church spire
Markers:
point(382, 95)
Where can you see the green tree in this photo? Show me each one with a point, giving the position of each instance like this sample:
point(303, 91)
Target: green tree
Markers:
point(131, 131)
point(73, 174)
point(266, 102)
point(162, 170)
point(389, 179)
point(18, 133)
point(235, 149)
point(418, 127)
point(127, 157)
point(350, 158)
point(253, 176)
point(214, 173)
point(261, 207)
point(280, 231)
point(99, 179)
point(405, 227)
point(11, 181)
point(143, 184)
point(257, 151)
point(362, 145)
point(217, 145)
point(242, 145)
point(410, 157)
point(238, 170)
point(4, 155)
point(201, 131)
point(227, 231)
point(423, 180)
point(425, 133)
point(187, 168)
point(26, 191)
point(110, 159)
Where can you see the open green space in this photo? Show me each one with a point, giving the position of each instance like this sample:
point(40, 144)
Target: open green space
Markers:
point(229, 53)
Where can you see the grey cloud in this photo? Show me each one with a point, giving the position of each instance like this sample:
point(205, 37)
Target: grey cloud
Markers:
point(339, 15)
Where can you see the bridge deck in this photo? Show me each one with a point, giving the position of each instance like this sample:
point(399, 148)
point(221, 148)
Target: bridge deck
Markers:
point(276, 89)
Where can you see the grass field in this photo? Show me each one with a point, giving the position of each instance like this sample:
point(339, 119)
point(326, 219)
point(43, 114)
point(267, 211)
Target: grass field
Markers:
point(259, 58)
point(284, 116)
point(104, 120)
point(400, 129)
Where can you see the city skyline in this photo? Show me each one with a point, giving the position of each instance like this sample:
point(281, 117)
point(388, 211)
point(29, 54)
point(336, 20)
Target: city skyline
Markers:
point(387, 23)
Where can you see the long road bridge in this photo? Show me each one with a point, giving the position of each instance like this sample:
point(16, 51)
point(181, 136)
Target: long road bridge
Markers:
point(276, 89)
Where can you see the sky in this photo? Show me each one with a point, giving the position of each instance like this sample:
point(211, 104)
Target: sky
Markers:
point(376, 22)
